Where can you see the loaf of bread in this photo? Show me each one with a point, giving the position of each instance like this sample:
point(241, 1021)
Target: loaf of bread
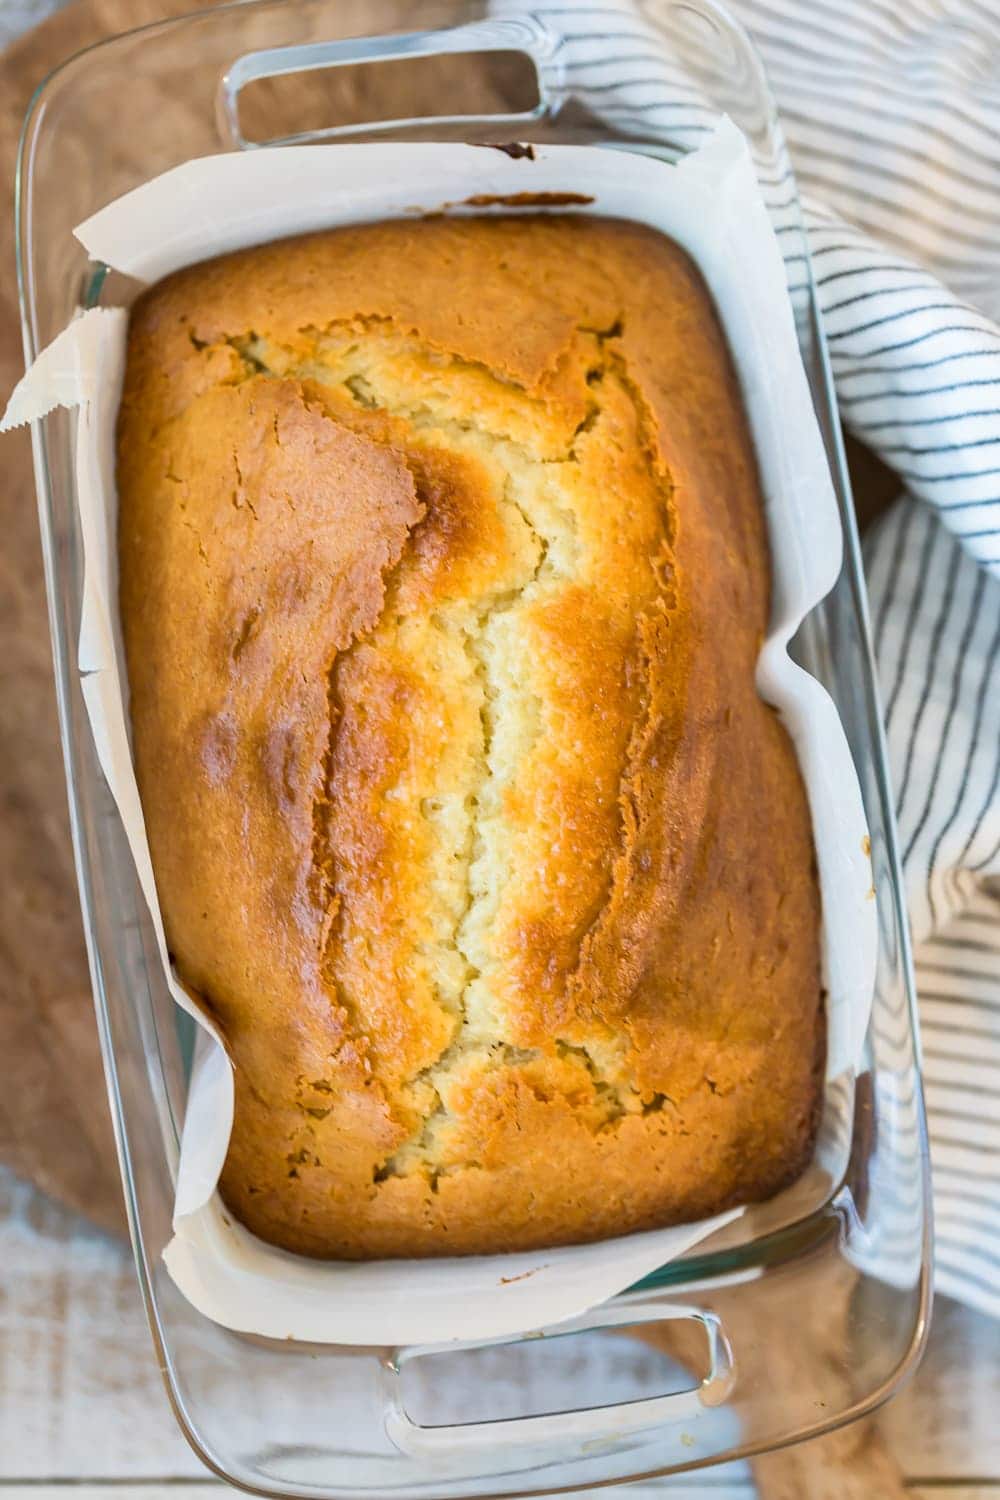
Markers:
point(443, 581)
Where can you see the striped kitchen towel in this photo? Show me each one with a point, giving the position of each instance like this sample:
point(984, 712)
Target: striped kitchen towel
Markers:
point(891, 114)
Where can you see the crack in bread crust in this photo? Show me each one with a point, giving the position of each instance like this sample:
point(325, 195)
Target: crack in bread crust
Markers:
point(522, 468)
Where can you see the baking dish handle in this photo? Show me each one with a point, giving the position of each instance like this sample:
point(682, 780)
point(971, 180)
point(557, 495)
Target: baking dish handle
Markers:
point(522, 34)
point(592, 1427)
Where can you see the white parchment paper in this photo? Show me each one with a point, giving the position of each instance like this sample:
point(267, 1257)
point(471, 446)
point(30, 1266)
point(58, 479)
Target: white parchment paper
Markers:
point(709, 203)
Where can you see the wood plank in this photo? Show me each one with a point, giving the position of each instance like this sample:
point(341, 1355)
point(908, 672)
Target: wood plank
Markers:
point(956, 1491)
point(82, 1396)
point(185, 1489)
point(696, 1488)
point(17, 16)
point(851, 1463)
point(207, 1489)
point(83, 1399)
point(944, 1423)
point(54, 1123)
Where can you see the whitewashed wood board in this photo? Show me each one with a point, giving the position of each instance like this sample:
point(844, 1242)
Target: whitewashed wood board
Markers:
point(945, 1425)
point(81, 1399)
point(675, 1490)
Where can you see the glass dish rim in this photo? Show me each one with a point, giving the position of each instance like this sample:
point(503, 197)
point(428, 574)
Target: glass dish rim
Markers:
point(786, 1238)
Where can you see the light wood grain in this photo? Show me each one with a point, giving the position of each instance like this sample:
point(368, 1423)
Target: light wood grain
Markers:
point(852, 1463)
point(955, 1492)
point(698, 1488)
point(54, 1125)
point(162, 1489)
point(945, 1422)
point(81, 1394)
point(190, 1489)
point(199, 1490)
point(82, 1399)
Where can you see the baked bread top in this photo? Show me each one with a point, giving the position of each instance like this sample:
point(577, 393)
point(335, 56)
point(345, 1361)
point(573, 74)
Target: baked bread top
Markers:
point(443, 580)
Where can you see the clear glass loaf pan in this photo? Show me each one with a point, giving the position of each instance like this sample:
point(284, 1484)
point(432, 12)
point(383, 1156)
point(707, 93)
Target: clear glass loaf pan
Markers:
point(810, 1312)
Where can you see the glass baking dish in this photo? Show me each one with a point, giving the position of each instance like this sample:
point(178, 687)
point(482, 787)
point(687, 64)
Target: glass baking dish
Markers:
point(811, 1309)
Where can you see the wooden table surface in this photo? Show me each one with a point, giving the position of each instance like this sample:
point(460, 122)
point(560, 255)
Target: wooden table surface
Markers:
point(81, 1403)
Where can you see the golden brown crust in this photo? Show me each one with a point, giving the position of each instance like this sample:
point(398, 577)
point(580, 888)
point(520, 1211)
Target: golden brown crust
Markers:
point(443, 578)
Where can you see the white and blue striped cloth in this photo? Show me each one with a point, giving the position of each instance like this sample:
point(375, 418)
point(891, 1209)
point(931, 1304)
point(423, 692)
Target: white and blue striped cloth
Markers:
point(891, 113)
point(892, 117)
